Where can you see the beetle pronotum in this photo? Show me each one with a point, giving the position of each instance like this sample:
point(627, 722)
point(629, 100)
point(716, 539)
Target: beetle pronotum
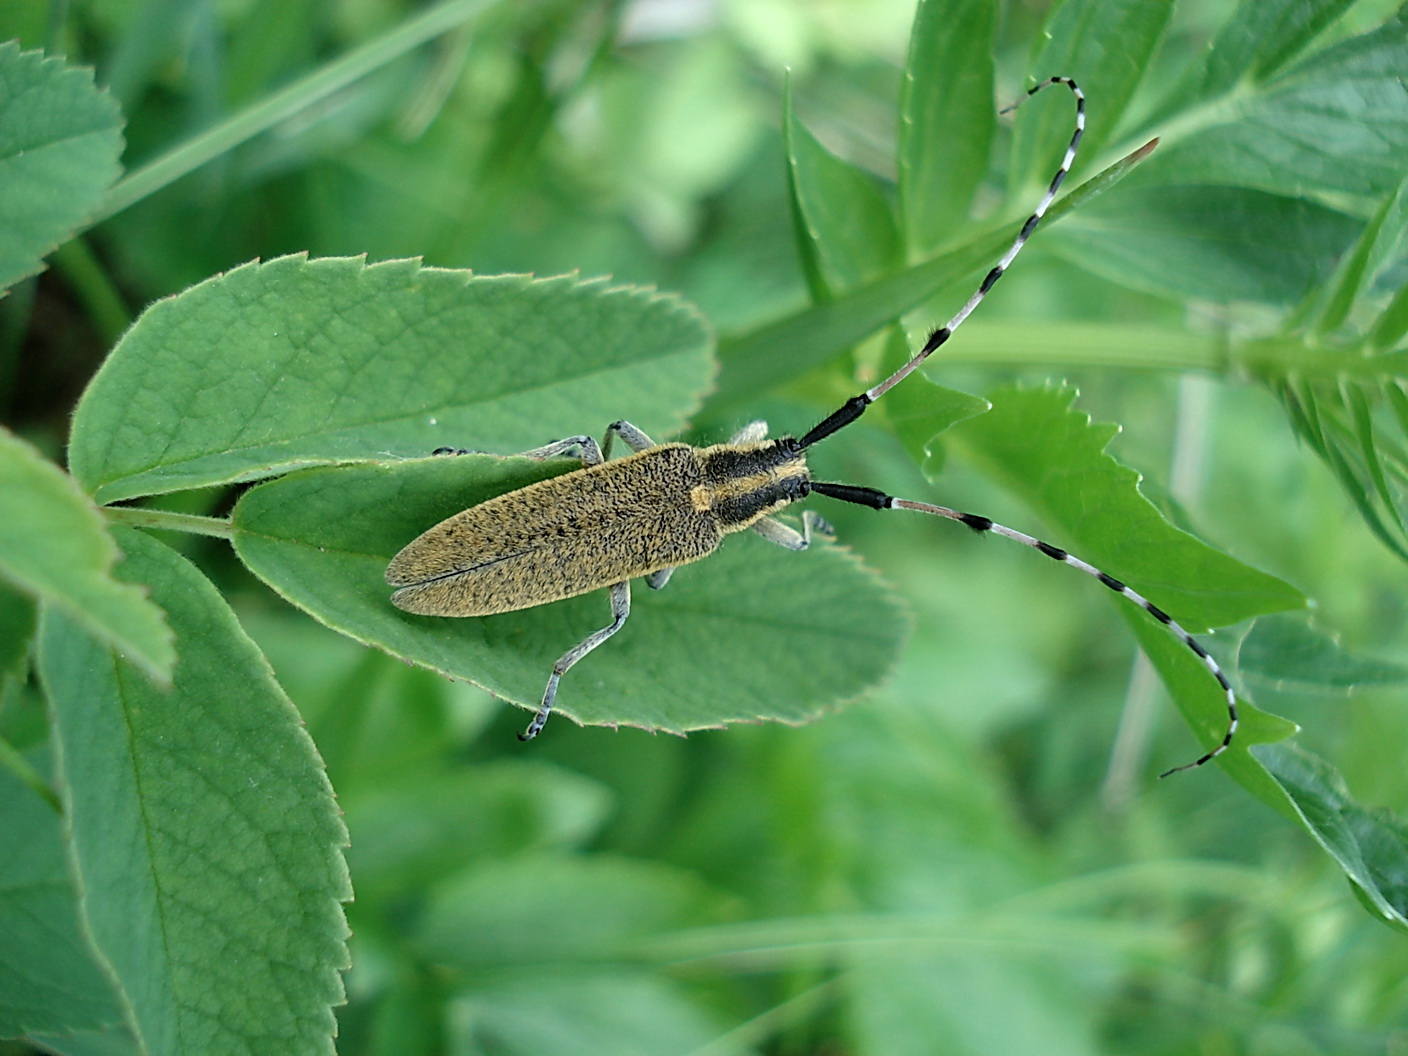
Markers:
point(666, 505)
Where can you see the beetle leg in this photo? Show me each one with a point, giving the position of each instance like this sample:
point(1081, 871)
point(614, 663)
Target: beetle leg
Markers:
point(620, 609)
point(633, 437)
point(583, 446)
point(784, 535)
point(657, 580)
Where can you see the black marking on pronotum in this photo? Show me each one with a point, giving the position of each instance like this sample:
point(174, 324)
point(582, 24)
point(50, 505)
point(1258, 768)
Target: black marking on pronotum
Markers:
point(670, 504)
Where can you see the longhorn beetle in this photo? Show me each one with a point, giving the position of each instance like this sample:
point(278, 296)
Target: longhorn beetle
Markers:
point(666, 505)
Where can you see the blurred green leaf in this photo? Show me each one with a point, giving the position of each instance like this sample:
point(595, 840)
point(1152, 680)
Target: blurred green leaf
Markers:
point(902, 1004)
point(1288, 652)
point(296, 362)
point(49, 980)
point(776, 351)
point(1336, 121)
point(531, 910)
point(55, 547)
point(946, 118)
point(18, 615)
point(202, 829)
point(1106, 46)
point(1370, 846)
point(1380, 242)
point(599, 1013)
point(1216, 243)
point(415, 830)
point(60, 139)
point(845, 231)
point(797, 633)
point(1260, 38)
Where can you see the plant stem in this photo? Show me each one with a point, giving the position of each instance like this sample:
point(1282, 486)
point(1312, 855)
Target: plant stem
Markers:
point(87, 277)
point(283, 104)
point(169, 521)
point(18, 765)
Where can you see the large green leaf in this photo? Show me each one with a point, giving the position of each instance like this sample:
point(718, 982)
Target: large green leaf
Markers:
point(752, 632)
point(1336, 121)
point(49, 980)
point(274, 366)
point(54, 546)
point(1216, 243)
point(946, 118)
point(60, 139)
point(1260, 38)
point(202, 829)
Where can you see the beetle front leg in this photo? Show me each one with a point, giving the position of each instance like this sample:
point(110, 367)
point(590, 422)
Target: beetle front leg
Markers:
point(620, 609)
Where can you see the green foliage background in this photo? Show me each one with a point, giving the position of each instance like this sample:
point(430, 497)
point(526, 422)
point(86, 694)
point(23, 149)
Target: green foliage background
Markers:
point(971, 855)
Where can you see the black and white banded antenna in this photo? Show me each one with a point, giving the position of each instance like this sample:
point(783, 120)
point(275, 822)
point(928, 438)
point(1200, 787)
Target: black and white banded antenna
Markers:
point(853, 408)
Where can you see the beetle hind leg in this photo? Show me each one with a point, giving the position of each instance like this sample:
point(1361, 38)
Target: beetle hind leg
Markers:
point(620, 609)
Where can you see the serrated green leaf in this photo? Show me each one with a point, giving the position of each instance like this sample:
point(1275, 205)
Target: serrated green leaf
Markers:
point(763, 357)
point(202, 829)
point(1337, 121)
point(1290, 653)
point(49, 979)
point(55, 547)
point(946, 118)
point(297, 362)
point(1035, 443)
point(845, 231)
point(752, 632)
point(920, 413)
point(1218, 243)
point(1370, 846)
point(1106, 46)
point(60, 139)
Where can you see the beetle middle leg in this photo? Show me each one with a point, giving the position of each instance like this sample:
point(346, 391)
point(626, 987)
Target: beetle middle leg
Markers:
point(784, 535)
point(634, 438)
point(620, 609)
